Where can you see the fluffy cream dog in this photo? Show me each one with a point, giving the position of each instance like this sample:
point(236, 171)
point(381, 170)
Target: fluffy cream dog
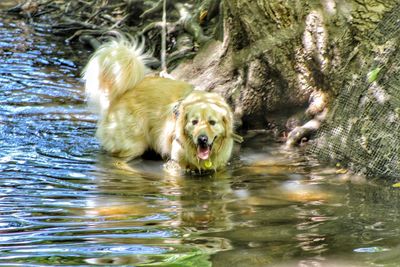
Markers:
point(193, 129)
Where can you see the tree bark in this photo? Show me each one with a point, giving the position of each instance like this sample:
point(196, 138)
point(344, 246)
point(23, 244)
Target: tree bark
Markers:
point(276, 56)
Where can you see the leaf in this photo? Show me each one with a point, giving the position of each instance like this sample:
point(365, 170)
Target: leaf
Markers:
point(396, 185)
point(341, 171)
point(373, 74)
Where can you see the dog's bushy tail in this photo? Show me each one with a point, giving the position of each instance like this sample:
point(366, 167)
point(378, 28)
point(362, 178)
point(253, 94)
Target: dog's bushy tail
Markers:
point(116, 67)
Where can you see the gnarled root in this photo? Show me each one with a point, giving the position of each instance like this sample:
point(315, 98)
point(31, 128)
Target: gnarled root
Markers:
point(318, 111)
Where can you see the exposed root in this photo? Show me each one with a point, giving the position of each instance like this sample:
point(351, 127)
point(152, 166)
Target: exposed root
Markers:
point(88, 20)
point(318, 111)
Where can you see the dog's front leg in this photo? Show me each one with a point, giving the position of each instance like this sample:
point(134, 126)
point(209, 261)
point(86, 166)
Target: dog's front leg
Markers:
point(176, 162)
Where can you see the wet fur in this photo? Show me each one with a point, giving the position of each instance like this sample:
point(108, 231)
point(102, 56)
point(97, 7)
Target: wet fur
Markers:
point(139, 112)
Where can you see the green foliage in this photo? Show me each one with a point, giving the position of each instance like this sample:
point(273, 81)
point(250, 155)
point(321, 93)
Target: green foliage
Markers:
point(190, 259)
point(373, 74)
point(396, 185)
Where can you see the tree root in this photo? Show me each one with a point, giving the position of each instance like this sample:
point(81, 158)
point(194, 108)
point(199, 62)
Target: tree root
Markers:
point(301, 134)
point(318, 111)
point(89, 20)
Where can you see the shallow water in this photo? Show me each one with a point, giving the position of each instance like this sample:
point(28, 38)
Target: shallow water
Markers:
point(62, 202)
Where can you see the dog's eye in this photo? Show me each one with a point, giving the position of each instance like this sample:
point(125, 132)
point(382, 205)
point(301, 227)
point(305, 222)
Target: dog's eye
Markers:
point(212, 122)
point(194, 122)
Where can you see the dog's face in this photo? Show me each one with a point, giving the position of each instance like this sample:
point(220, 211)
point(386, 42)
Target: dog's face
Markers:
point(206, 125)
point(204, 129)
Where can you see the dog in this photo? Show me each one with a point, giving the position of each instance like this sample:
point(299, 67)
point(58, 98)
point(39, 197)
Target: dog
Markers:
point(192, 129)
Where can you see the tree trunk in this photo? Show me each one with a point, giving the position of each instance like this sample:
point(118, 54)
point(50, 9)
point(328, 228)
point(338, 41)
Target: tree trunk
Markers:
point(338, 57)
point(275, 55)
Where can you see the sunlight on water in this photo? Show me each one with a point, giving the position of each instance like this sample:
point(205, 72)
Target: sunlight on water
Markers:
point(63, 202)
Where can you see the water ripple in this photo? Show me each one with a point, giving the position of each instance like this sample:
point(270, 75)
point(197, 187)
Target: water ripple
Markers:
point(63, 203)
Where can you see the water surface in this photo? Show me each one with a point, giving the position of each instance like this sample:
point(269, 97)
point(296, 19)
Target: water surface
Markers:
point(63, 202)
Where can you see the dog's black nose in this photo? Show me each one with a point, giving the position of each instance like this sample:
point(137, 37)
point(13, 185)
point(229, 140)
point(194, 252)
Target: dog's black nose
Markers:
point(202, 140)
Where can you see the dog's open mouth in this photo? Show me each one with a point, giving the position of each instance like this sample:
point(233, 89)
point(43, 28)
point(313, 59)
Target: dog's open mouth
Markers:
point(204, 151)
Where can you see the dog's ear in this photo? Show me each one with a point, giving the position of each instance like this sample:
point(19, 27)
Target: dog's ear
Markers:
point(228, 123)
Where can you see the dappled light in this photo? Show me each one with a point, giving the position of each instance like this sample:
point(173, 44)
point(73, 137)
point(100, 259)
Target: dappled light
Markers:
point(65, 201)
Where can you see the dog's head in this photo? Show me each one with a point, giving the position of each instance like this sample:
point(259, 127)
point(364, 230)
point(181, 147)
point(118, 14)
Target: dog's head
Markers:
point(206, 120)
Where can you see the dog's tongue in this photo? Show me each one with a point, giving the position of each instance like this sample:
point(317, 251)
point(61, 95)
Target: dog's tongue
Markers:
point(203, 152)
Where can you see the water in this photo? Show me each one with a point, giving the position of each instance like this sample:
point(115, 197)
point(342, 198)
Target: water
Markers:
point(62, 203)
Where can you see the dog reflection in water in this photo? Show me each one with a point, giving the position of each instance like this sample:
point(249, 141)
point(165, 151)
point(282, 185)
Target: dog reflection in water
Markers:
point(192, 129)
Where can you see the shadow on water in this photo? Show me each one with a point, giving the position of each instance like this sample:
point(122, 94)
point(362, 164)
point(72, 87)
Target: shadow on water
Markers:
point(64, 203)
